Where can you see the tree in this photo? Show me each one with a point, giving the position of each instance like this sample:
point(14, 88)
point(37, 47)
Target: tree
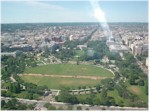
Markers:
point(51, 108)
point(3, 93)
point(60, 108)
point(77, 60)
point(79, 108)
point(87, 109)
point(117, 76)
point(146, 88)
point(11, 104)
point(31, 106)
point(70, 107)
point(84, 87)
point(3, 103)
point(14, 87)
point(141, 82)
point(121, 103)
point(10, 87)
point(29, 96)
point(18, 87)
point(47, 105)
point(132, 81)
point(79, 87)
point(89, 100)
point(108, 83)
point(66, 97)
point(98, 87)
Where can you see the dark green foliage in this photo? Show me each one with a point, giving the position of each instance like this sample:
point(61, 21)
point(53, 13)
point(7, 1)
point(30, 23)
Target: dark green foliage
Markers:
point(141, 82)
point(14, 87)
point(89, 101)
point(98, 87)
point(60, 108)
point(99, 48)
point(14, 66)
point(129, 69)
point(87, 109)
point(65, 54)
point(79, 87)
point(84, 87)
point(146, 87)
point(117, 76)
point(70, 107)
point(66, 97)
point(108, 83)
point(49, 106)
point(122, 91)
point(121, 103)
point(79, 108)
point(13, 104)
point(113, 56)
point(3, 103)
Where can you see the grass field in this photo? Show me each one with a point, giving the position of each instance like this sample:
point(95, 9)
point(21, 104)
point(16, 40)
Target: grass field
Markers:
point(65, 69)
point(139, 91)
point(115, 95)
point(69, 69)
point(57, 83)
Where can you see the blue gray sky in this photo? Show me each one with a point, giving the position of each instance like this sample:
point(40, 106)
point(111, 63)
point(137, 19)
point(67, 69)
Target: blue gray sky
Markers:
point(32, 11)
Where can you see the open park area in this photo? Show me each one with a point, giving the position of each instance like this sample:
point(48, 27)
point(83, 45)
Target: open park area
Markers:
point(56, 76)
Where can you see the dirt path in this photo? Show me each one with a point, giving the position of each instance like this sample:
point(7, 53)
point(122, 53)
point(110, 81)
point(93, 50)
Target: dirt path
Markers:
point(68, 76)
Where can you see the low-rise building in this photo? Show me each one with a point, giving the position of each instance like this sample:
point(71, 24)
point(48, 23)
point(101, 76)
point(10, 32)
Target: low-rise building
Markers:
point(146, 62)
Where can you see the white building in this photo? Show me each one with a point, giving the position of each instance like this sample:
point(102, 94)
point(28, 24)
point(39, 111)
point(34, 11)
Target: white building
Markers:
point(146, 62)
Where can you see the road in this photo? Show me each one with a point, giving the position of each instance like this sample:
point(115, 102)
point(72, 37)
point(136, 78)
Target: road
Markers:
point(84, 106)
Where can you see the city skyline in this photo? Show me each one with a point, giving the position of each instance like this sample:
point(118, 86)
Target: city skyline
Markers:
point(74, 11)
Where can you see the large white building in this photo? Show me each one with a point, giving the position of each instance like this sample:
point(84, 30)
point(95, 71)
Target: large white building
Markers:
point(118, 48)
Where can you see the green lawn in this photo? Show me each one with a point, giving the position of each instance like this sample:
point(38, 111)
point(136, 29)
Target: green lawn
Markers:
point(69, 69)
point(115, 94)
point(57, 83)
point(139, 91)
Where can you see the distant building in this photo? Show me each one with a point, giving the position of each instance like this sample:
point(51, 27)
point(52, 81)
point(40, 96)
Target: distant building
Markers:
point(146, 62)
point(145, 49)
point(137, 50)
point(8, 54)
point(110, 41)
point(21, 47)
point(140, 50)
point(118, 48)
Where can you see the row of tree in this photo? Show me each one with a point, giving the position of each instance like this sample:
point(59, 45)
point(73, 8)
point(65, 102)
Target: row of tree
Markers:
point(14, 104)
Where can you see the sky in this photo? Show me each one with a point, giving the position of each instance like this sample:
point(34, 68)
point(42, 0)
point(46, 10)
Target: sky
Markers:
point(32, 11)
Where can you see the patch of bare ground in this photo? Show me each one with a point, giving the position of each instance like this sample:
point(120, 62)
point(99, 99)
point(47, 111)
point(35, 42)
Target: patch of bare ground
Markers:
point(68, 76)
